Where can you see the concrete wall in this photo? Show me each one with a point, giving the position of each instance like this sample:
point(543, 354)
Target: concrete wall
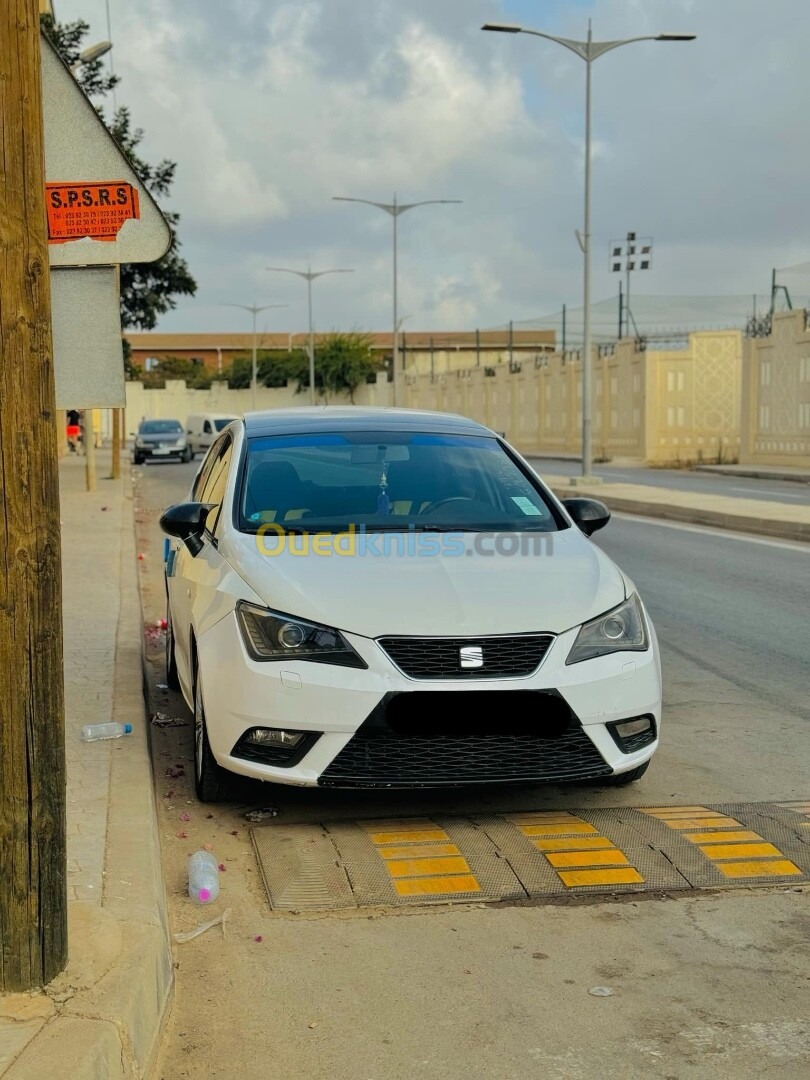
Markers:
point(656, 406)
point(776, 394)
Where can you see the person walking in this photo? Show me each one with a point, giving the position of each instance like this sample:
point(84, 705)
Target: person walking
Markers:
point(73, 430)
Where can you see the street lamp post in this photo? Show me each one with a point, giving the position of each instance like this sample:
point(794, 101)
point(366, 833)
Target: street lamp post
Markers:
point(395, 209)
point(309, 275)
point(254, 311)
point(588, 50)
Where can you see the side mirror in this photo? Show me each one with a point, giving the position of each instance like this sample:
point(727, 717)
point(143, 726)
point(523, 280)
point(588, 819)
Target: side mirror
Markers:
point(589, 515)
point(186, 521)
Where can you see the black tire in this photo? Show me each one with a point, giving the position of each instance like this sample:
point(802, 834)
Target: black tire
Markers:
point(137, 459)
point(629, 777)
point(172, 678)
point(210, 781)
point(187, 455)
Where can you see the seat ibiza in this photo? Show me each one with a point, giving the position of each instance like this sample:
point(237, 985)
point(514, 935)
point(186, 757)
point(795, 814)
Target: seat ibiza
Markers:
point(385, 598)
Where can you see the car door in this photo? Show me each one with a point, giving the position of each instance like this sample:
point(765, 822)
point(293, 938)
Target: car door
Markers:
point(192, 579)
point(207, 436)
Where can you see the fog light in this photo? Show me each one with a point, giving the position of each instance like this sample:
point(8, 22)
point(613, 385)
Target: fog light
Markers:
point(634, 727)
point(274, 737)
point(633, 734)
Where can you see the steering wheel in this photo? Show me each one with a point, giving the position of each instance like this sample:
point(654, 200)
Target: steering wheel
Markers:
point(433, 507)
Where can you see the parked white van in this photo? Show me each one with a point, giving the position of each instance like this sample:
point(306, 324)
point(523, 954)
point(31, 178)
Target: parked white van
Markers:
point(203, 428)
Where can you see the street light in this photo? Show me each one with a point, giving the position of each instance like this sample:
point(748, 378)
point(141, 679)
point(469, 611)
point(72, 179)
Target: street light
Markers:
point(254, 310)
point(309, 276)
point(395, 209)
point(93, 52)
point(588, 50)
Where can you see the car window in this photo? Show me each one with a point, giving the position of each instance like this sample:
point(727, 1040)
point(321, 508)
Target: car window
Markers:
point(390, 480)
point(205, 471)
point(207, 427)
point(213, 489)
point(161, 427)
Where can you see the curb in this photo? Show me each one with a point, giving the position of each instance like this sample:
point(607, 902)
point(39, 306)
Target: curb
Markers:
point(776, 529)
point(120, 991)
point(755, 474)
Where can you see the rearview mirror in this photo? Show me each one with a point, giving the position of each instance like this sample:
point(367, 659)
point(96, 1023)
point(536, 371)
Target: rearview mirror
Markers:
point(589, 515)
point(186, 521)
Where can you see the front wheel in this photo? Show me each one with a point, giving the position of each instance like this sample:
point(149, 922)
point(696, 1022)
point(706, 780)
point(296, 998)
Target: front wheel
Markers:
point(629, 777)
point(187, 455)
point(210, 781)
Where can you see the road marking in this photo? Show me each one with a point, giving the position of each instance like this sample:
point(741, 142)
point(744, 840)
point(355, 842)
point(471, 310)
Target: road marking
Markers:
point(426, 851)
point(417, 865)
point(587, 858)
point(573, 878)
point(454, 864)
point(568, 852)
point(739, 851)
point(721, 534)
point(445, 886)
point(574, 843)
point(763, 496)
point(768, 868)
point(721, 837)
point(403, 837)
point(729, 855)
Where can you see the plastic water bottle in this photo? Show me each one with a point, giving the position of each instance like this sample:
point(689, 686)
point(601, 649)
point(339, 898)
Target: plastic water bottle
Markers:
point(203, 877)
point(92, 732)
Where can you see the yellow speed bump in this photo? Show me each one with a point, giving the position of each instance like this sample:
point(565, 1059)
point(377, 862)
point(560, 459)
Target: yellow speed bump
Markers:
point(735, 851)
point(420, 858)
point(576, 851)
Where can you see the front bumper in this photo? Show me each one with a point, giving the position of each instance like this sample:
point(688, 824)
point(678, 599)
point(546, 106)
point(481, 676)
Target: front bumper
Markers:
point(160, 453)
point(336, 702)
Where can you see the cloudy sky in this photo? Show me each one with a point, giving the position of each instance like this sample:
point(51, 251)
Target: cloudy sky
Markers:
point(271, 107)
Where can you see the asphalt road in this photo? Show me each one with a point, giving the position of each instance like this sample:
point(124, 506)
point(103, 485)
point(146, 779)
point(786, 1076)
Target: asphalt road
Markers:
point(736, 487)
point(486, 991)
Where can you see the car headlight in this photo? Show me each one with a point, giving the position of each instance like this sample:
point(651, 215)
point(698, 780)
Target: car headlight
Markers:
point(181, 443)
point(270, 635)
point(621, 630)
point(140, 443)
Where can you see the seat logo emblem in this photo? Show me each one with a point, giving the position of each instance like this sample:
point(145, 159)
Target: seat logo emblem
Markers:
point(471, 656)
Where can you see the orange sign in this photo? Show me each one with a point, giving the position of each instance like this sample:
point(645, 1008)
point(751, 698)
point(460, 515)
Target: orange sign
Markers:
point(93, 209)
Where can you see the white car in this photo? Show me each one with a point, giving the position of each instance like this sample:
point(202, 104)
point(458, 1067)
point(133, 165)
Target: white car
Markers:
point(387, 598)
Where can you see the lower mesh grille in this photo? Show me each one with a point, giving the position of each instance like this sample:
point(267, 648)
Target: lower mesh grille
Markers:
point(444, 761)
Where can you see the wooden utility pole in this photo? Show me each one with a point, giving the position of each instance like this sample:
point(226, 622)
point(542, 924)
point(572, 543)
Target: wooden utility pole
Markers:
point(89, 443)
point(33, 900)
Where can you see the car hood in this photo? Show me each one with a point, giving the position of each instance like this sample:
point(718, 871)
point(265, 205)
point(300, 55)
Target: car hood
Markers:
point(566, 582)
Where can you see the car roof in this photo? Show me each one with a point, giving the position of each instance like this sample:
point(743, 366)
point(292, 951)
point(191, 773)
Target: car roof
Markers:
point(334, 418)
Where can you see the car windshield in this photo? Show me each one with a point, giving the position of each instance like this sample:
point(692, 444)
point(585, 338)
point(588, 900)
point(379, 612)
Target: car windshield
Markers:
point(223, 421)
point(161, 427)
point(389, 481)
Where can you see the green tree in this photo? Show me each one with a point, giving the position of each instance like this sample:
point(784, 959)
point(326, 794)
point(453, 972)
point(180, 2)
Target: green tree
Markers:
point(342, 363)
point(195, 375)
point(148, 290)
point(273, 368)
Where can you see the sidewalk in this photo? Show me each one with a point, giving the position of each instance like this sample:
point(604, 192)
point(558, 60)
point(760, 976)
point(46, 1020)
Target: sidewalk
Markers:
point(758, 516)
point(103, 1016)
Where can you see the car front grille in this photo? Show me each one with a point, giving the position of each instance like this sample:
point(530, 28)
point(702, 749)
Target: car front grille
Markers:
point(446, 761)
point(510, 656)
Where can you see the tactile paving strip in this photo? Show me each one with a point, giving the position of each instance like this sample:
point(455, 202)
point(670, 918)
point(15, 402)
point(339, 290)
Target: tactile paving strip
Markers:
point(512, 856)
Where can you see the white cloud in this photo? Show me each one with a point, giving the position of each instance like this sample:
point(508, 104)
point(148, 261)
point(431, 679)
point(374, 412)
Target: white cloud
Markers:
point(270, 108)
